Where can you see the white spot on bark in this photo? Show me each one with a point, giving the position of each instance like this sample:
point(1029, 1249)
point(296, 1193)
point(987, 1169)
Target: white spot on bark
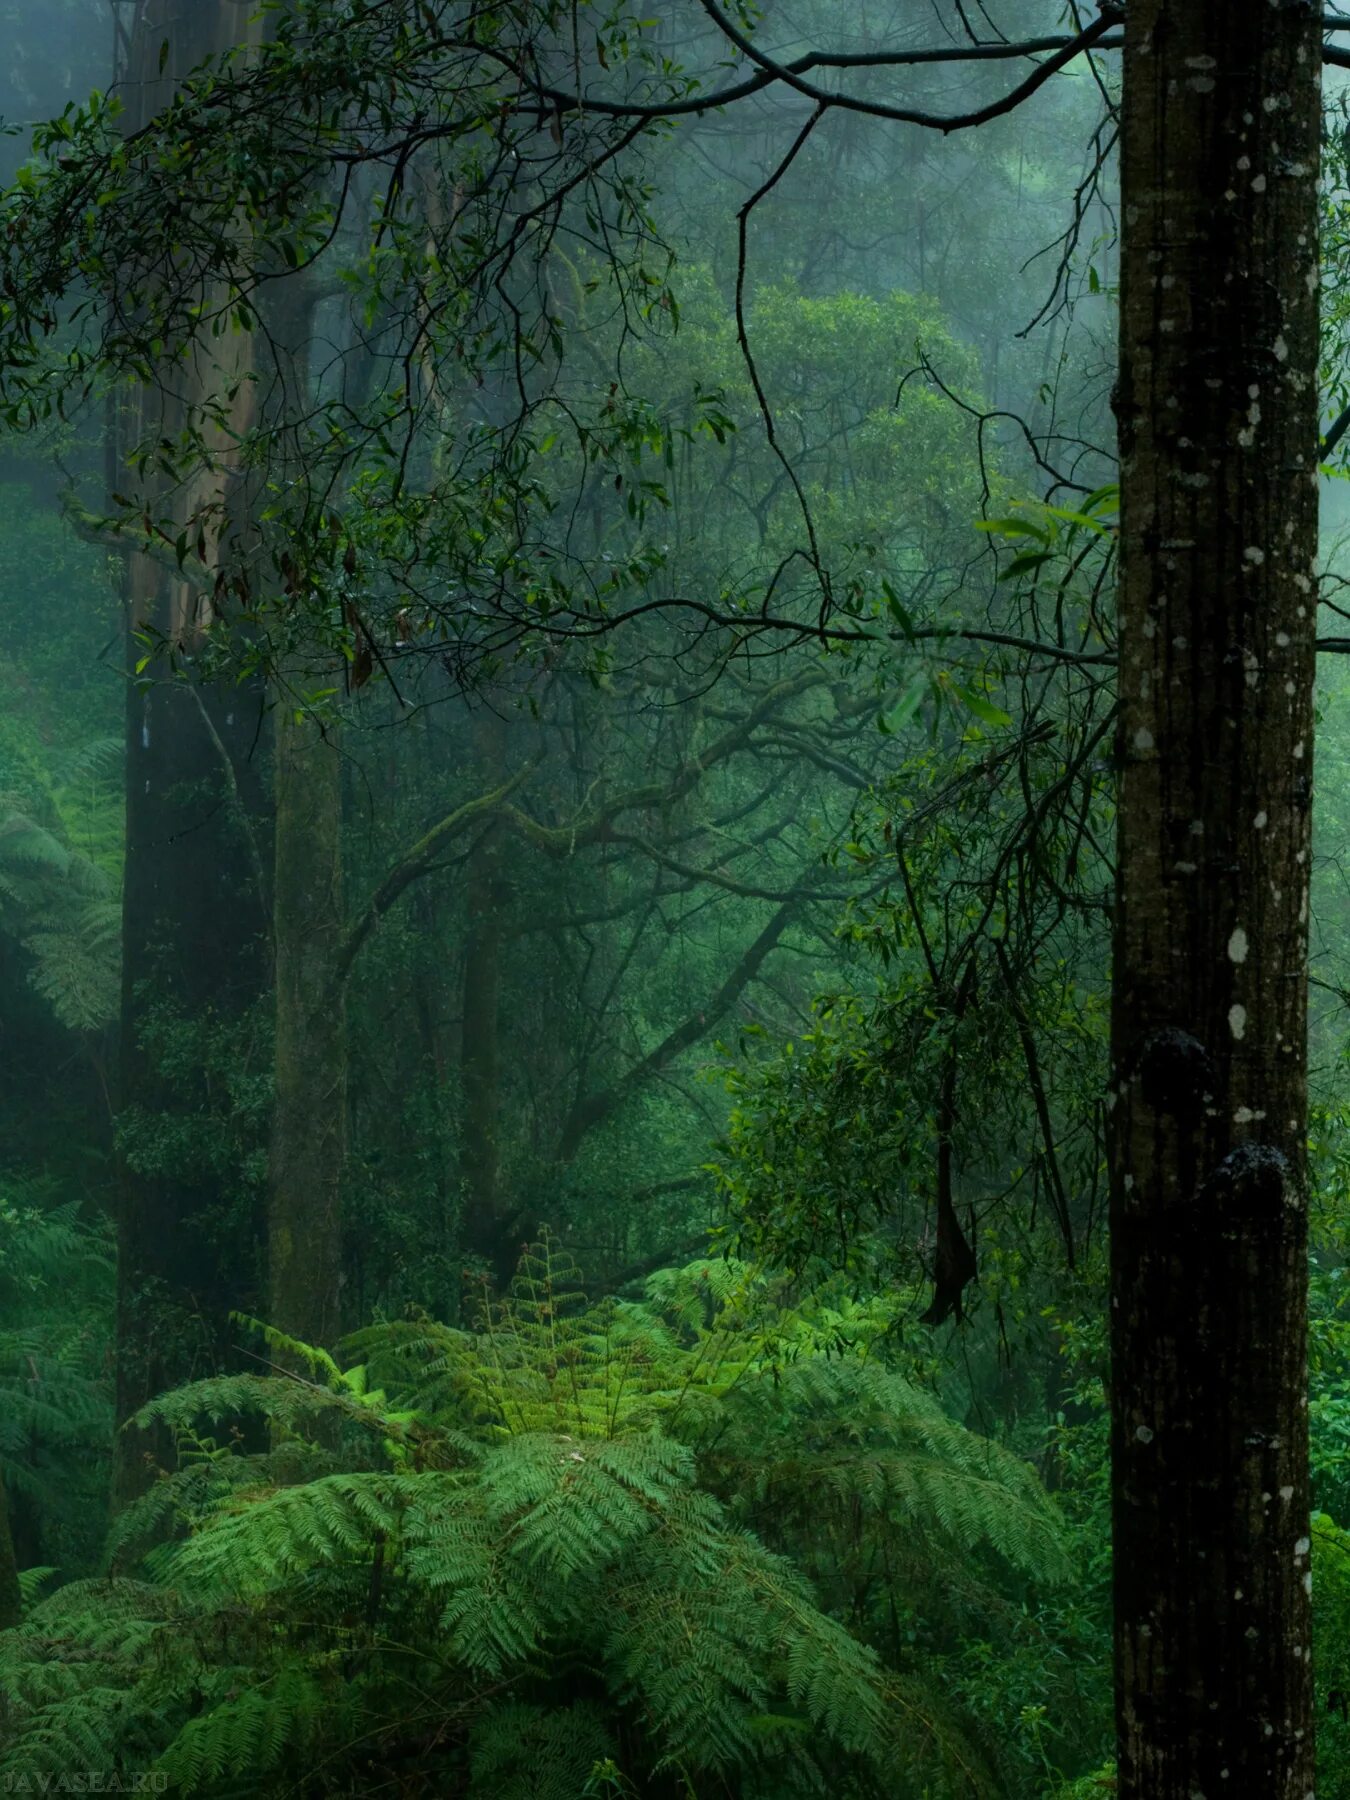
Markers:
point(1246, 1116)
point(1143, 738)
point(1143, 1434)
point(1261, 820)
point(1298, 751)
point(1282, 639)
point(1237, 945)
point(1286, 1493)
point(1254, 554)
point(1303, 1546)
point(1258, 184)
point(1237, 1020)
point(1281, 350)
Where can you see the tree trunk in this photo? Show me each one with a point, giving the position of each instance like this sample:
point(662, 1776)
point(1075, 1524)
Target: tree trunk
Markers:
point(1217, 407)
point(11, 1600)
point(309, 1128)
point(307, 1164)
point(194, 920)
point(485, 1233)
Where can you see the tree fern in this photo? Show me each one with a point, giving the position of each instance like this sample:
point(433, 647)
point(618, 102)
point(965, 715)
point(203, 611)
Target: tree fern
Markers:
point(848, 1438)
point(534, 1753)
point(55, 1417)
point(445, 1538)
point(247, 1732)
point(62, 906)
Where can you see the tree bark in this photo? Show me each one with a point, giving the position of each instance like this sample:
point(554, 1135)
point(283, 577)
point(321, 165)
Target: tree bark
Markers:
point(194, 922)
point(11, 1599)
point(485, 1231)
point(308, 1156)
point(1218, 418)
point(309, 1123)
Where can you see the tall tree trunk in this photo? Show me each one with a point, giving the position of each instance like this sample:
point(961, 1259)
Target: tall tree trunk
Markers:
point(194, 921)
point(485, 1230)
point(1217, 407)
point(309, 1121)
point(308, 1157)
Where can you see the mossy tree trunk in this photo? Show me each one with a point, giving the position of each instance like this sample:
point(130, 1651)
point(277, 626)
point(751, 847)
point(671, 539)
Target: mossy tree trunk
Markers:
point(1218, 418)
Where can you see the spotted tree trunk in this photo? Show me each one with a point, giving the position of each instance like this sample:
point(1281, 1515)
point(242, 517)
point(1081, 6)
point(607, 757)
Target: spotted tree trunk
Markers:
point(1217, 411)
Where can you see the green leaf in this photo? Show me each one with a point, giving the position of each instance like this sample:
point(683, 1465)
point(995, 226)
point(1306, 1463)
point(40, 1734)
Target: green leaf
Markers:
point(1014, 528)
point(983, 709)
point(905, 708)
point(1024, 564)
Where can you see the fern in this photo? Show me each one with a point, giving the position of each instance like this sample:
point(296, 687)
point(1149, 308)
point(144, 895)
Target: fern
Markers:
point(54, 1404)
point(528, 1753)
point(247, 1733)
point(863, 1444)
point(31, 1583)
point(448, 1533)
point(62, 907)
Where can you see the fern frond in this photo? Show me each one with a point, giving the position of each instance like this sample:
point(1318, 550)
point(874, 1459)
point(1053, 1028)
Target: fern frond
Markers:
point(257, 1542)
point(529, 1753)
point(247, 1733)
point(319, 1363)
